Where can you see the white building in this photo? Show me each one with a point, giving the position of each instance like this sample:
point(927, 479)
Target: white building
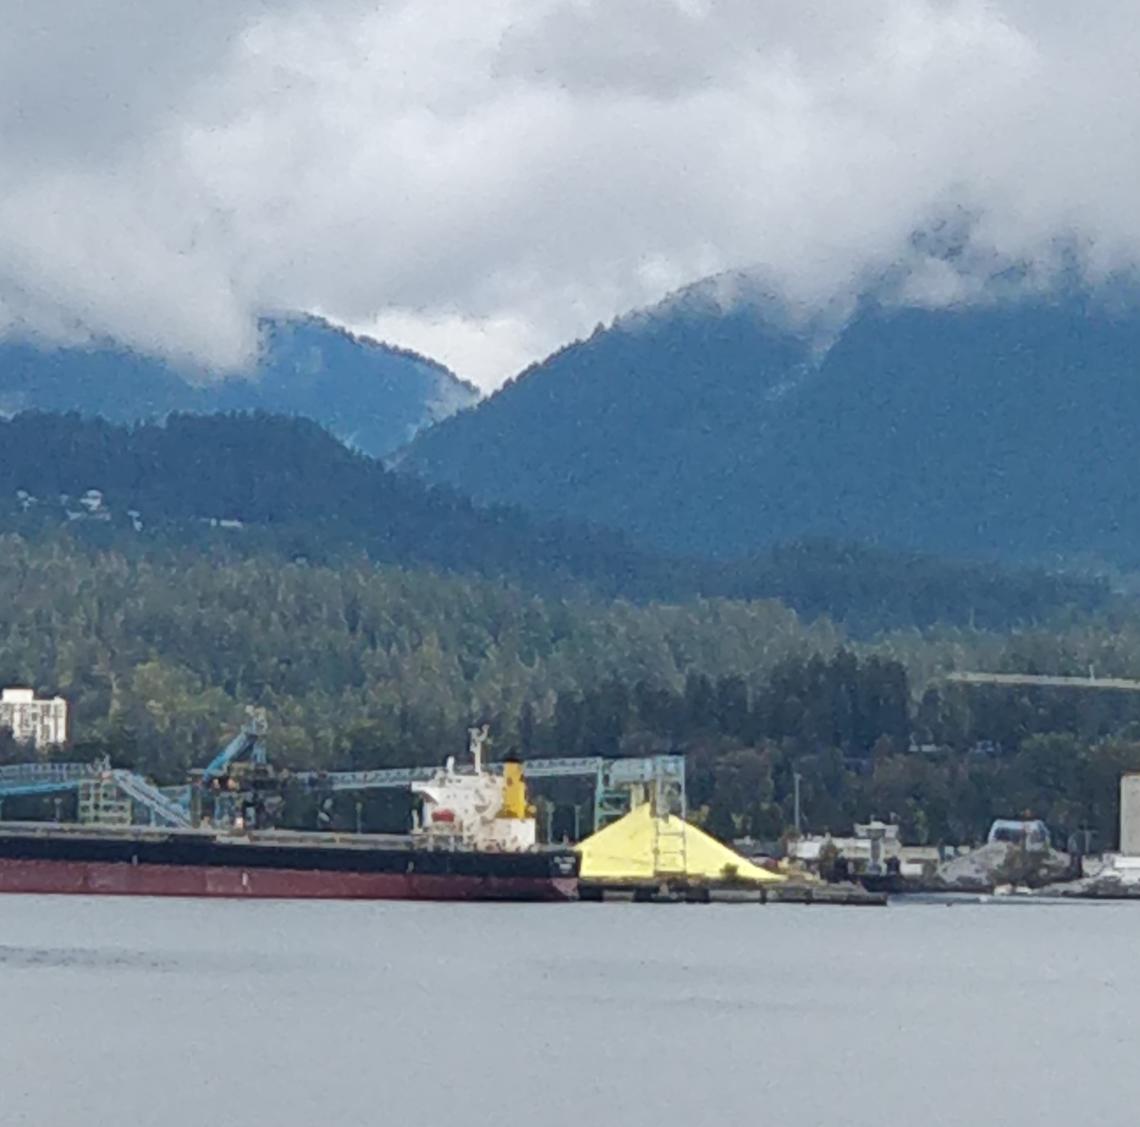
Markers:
point(38, 722)
point(873, 845)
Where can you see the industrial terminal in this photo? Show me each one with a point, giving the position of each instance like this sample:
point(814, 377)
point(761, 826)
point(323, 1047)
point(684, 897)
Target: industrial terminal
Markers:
point(474, 834)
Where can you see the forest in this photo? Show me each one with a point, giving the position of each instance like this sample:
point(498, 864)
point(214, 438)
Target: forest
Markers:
point(359, 664)
point(287, 488)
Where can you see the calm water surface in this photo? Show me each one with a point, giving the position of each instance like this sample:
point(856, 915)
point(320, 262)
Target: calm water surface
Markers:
point(184, 1013)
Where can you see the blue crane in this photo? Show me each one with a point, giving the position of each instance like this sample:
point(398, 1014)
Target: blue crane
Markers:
point(657, 778)
point(164, 806)
point(249, 741)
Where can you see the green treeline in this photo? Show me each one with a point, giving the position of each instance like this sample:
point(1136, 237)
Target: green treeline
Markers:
point(359, 666)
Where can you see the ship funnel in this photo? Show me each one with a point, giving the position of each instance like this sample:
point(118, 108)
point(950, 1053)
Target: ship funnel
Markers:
point(514, 791)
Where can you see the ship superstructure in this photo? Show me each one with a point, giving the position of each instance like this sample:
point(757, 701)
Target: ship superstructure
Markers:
point(473, 808)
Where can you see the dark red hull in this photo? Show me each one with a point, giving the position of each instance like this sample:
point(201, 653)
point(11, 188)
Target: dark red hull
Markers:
point(92, 878)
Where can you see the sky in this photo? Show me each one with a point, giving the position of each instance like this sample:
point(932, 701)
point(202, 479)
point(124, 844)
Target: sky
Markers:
point(485, 180)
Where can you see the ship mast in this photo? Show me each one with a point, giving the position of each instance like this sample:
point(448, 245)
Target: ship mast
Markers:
point(478, 740)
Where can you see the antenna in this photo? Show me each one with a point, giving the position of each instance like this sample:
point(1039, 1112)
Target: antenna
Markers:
point(479, 738)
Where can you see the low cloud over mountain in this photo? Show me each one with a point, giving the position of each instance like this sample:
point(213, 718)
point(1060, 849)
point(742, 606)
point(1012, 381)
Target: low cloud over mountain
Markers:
point(493, 179)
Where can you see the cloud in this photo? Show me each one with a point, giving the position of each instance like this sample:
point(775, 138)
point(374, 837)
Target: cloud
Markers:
point(484, 181)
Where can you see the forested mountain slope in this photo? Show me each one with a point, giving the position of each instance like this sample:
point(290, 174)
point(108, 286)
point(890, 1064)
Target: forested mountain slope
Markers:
point(370, 395)
point(1006, 432)
point(268, 483)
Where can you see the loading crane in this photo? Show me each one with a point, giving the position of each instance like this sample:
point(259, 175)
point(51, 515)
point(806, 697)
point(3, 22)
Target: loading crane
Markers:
point(169, 806)
point(228, 776)
point(618, 783)
point(249, 742)
point(239, 778)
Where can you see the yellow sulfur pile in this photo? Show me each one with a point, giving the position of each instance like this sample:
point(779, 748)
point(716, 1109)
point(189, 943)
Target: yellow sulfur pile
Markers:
point(642, 847)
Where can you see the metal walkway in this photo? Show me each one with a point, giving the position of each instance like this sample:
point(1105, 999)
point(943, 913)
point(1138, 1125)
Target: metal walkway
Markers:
point(1044, 680)
point(161, 809)
point(22, 779)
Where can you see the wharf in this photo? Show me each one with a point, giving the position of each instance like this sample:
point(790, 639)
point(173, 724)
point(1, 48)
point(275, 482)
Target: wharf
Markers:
point(848, 895)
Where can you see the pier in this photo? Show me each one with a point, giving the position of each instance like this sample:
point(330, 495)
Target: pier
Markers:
point(642, 892)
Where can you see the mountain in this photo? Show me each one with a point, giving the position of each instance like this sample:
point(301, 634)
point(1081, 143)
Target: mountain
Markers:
point(372, 396)
point(279, 483)
point(1004, 432)
point(284, 486)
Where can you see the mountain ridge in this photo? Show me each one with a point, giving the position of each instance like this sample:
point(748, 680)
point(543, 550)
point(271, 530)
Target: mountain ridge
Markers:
point(372, 395)
point(963, 431)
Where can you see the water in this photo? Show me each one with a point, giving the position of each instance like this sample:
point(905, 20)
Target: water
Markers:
point(180, 1013)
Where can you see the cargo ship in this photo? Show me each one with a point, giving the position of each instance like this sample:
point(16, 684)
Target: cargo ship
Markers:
point(474, 839)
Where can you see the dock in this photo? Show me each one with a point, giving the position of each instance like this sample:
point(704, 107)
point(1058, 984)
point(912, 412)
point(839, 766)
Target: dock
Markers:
point(642, 892)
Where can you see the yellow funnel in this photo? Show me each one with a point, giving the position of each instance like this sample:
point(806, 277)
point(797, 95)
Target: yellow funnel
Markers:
point(515, 804)
point(639, 846)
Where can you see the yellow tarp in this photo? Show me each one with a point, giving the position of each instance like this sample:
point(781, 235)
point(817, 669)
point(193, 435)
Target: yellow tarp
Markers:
point(628, 848)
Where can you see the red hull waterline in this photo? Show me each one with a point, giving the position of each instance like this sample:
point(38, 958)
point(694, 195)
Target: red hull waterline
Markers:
point(93, 878)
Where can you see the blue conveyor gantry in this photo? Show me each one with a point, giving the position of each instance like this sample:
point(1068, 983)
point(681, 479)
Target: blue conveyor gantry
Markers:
point(659, 779)
point(619, 784)
point(24, 779)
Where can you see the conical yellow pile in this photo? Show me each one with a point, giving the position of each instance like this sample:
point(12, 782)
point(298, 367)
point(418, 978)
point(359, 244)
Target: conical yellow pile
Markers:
point(625, 851)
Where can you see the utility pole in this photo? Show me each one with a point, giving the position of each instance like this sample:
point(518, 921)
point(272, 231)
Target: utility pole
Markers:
point(796, 776)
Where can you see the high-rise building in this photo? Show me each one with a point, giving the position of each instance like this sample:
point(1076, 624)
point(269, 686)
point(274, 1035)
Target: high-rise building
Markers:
point(40, 722)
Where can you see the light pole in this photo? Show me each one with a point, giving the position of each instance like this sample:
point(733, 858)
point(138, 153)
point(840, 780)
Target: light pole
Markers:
point(796, 776)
